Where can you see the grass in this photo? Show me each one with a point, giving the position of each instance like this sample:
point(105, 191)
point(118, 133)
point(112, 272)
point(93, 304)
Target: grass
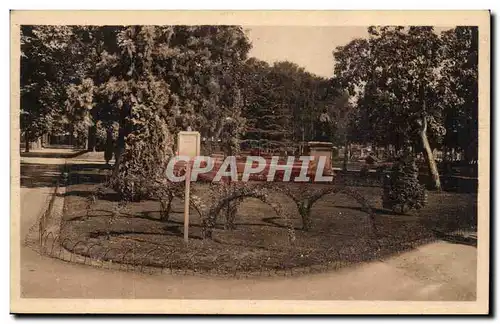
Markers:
point(340, 231)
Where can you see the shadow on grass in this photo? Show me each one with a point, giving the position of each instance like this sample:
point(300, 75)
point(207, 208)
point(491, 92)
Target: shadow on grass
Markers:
point(35, 175)
point(53, 155)
point(39, 175)
point(377, 211)
point(88, 173)
point(108, 196)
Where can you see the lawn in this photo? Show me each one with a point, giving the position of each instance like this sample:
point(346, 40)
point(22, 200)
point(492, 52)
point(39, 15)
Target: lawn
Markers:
point(340, 234)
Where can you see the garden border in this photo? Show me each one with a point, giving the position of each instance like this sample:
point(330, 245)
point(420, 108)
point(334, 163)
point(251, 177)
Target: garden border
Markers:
point(51, 243)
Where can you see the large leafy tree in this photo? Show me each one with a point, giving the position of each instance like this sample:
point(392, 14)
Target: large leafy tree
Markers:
point(460, 89)
point(139, 98)
point(345, 123)
point(203, 66)
point(395, 74)
point(162, 79)
point(303, 97)
point(58, 71)
point(264, 108)
point(95, 43)
point(282, 102)
point(45, 70)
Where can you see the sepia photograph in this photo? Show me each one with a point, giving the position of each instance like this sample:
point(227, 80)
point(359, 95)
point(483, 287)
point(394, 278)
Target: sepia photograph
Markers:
point(250, 162)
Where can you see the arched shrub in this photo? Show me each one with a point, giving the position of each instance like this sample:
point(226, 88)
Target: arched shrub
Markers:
point(306, 197)
point(352, 193)
point(236, 193)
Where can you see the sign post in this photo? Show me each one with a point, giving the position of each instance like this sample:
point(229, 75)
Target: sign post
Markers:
point(188, 144)
point(186, 202)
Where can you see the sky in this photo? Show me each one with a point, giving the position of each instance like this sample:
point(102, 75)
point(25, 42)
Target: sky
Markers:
point(308, 46)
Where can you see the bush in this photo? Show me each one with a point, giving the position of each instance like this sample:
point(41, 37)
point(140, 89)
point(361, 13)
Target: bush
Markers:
point(364, 172)
point(402, 191)
point(144, 161)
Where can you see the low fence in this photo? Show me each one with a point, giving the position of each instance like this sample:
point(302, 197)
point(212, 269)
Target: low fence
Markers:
point(126, 258)
point(131, 258)
point(51, 243)
point(46, 214)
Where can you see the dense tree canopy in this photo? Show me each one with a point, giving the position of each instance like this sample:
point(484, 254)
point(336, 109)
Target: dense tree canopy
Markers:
point(409, 84)
point(283, 103)
point(135, 87)
point(149, 81)
point(460, 85)
point(44, 73)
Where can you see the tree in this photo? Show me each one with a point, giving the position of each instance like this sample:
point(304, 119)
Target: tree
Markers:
point(142, 100)
point(44, 73)
point(202, 65)
point(460, 89)
point(262, 103)
point(95, 43)
point(402, 191)
point(58, 71)
point(344, 119)
point(158, 80)
point(282, 102)
point(395, 75)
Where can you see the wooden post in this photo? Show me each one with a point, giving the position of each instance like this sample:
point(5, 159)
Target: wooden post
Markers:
point(186, 202)
point(188, 145)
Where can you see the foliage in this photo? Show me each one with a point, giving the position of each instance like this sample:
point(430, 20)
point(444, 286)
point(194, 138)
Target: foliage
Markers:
point(202, 65)
point(408, 78)
point(44, 72)
point(282, 103)
point(395, 74)
point(389, 72)
point(119, 208)
point(164, 80)
point(58, 63)
point(460, 89)
point(230, 195)
point(402, 190)
point(147, 147)
point(141, 101)
point(344, 119)
point(84, 77)
point(306, 196)
point(232, 129)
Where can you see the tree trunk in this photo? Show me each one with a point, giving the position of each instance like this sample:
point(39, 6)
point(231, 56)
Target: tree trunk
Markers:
point(109, 149)
point(123, 131)
point(346, 156)
point(429, 157)
point(71, 139)
point(27, 142)
point(305, 213)
point(166, 207)
point(45, 140)
point(120, 147)
point(91, 140)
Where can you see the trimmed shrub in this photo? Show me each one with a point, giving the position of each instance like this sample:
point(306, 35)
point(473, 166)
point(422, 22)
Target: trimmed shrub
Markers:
point(402, 191)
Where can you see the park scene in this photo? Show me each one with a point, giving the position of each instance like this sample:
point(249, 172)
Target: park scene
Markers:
point(388, 130)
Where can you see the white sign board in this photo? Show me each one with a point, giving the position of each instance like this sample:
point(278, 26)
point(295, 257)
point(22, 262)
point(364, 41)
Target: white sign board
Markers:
point(188, 144)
